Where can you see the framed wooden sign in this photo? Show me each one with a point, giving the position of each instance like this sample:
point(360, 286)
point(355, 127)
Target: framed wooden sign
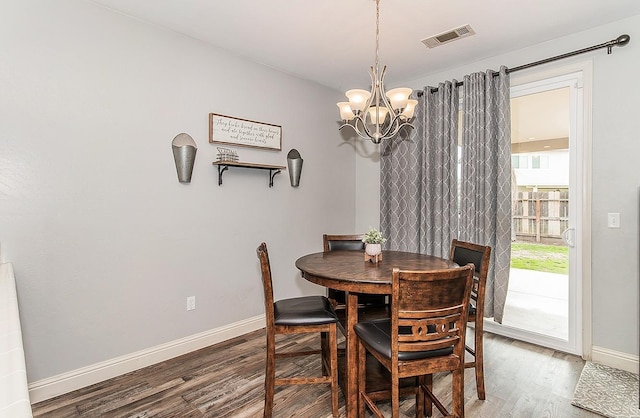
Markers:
point(247, 133)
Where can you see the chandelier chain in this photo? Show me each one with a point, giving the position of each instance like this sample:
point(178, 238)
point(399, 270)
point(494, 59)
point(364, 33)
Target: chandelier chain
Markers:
point(377, 34)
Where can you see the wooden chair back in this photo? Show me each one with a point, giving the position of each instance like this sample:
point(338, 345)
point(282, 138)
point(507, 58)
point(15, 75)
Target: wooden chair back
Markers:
point(310, 314)
point(429, 309)
point(426, 336)
point(267, 284)
point(466, 252)
point(343, 242)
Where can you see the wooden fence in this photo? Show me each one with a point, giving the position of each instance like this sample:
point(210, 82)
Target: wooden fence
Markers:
point(541, 216)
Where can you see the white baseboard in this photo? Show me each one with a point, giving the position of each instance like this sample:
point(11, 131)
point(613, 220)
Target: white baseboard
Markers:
point(611, 358)
point(95, 373)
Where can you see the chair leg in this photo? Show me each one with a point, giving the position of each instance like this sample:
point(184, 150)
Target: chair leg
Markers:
point(362, 379)
point(325, 349)
point(479, 362)
point(270, 376)
point(420, 398)
point(428, 382)
point(457, 394)
point(395, 394)
point(333, 365)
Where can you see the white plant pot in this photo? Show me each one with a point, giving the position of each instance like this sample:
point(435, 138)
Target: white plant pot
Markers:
point(373, 249)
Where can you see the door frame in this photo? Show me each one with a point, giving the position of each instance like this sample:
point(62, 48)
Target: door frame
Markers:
point(580, 303)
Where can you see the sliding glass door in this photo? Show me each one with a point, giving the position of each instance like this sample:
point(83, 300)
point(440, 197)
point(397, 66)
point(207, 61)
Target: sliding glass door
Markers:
point(549, 159)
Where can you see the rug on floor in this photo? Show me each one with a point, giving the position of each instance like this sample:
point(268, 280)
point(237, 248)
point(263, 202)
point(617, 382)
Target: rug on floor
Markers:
point(607, 391)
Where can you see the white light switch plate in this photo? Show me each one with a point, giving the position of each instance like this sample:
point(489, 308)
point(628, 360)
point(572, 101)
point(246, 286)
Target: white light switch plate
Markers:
point(613, 220)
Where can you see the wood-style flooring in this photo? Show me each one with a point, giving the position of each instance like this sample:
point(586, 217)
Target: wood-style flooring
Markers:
point(226, 380)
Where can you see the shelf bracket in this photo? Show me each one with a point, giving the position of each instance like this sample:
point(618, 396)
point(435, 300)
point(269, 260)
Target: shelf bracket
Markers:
point(273, 169)
point(221, 169)
point(272, 174)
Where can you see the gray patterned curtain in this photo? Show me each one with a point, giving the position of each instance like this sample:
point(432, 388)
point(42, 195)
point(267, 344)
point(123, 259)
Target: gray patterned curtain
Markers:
point(419, 178)
point(485, 212)
point(419, 184)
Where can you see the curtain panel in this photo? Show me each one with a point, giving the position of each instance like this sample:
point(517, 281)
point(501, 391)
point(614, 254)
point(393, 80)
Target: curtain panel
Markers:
point(485, 207)
point(424, 205)
point(418, 188)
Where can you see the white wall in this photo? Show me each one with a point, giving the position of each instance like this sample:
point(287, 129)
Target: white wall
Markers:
point(616, 146)
point(106, 244)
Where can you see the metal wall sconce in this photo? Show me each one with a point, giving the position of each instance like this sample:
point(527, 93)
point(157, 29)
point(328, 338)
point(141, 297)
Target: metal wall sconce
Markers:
point(295, 167)
point(184, 154)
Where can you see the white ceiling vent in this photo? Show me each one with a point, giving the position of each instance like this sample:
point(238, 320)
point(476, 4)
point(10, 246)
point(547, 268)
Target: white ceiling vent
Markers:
point(449, 36)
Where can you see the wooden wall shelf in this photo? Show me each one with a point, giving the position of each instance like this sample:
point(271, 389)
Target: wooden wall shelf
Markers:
point(224, 165)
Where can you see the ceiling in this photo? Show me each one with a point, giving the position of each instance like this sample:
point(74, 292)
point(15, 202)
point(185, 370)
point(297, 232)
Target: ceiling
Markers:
point(332, 42)
point(541, 121)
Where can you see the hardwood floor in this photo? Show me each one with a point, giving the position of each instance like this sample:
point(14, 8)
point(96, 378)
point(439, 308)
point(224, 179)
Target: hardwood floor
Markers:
point(226, 380)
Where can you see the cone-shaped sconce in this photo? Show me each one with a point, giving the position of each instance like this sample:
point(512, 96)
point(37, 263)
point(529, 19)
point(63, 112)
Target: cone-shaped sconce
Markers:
point(184, 154)
point(294, 162)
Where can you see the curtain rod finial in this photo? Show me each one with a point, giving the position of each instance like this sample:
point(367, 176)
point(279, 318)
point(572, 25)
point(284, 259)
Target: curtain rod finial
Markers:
point(622, 40)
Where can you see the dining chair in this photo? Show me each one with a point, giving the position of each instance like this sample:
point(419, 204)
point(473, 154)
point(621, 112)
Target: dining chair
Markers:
point(301, 315)
point(463, 253)
point(424, 335)
point(349, 243)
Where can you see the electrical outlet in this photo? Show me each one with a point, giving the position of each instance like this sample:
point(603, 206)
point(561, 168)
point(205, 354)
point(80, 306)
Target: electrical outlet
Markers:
point(613, 220)
point(191, 303)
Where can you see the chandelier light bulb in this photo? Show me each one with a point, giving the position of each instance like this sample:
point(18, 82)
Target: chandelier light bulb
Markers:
point(399, 97)
point(377, 114)
point(407, 113)
point(358, 99)
point(345, 111)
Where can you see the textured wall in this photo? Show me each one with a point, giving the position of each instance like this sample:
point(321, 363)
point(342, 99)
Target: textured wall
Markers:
point(105, 243)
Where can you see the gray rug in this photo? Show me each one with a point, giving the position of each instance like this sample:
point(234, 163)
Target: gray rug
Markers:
point(607, 391)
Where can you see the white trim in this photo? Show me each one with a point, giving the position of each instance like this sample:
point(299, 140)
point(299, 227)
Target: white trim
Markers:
point(14, 401)
point(527, 336)
point(587, 173)
point(85, 376)
point(545, 79)
point(611, 358)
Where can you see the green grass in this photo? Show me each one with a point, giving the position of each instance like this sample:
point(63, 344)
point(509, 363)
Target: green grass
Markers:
point(540, 257)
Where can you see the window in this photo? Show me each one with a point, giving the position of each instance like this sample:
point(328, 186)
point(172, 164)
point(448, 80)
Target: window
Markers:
point(540, 161)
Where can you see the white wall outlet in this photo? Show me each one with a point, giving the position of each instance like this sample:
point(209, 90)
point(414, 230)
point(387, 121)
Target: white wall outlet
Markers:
point(191, 303)
point(613, 220)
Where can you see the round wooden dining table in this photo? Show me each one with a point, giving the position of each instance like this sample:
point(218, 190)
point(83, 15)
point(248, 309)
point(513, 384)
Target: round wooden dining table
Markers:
point(348, 271)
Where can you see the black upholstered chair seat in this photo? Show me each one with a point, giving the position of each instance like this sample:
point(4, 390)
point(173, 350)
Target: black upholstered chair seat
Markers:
point(378, 335)
point(307, 310)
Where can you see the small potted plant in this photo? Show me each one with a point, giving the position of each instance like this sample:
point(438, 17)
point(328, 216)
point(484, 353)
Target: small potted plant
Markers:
point(373, 240)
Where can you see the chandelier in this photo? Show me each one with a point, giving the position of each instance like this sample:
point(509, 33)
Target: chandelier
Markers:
point(376, 114)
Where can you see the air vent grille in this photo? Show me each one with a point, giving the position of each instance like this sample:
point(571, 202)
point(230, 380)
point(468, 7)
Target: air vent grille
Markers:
point(449, 36)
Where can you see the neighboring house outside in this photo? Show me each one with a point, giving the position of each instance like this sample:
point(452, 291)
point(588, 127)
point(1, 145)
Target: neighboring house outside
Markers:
point(541, 171)
point(541, 205)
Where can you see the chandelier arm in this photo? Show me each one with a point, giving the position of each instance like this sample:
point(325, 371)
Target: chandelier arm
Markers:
point(362, 131)
point(372, 75)
point(386, 102)
point(395, 125)
point(361, 128)
point(356, 130)
point(389, 127)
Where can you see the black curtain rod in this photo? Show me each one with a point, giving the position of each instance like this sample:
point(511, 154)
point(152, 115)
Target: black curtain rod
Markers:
point(621, 40)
